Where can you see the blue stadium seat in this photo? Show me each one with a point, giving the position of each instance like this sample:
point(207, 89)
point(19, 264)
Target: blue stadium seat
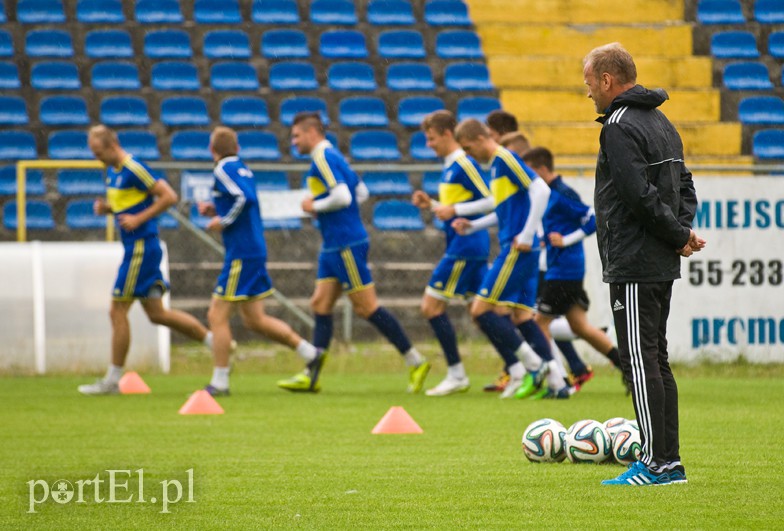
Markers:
point(3, 17)
point(226, 44)
point(258, 145)
point(217, 12)
point(6, 44)
point(430, 182)
point(283, 224)
point(769, 11)
point(401, 44)
point(293, 76)
point(397, 215)
point(387, 183)
point(411, 111)
point(768, 144)
point(478, 108)
point(244, 111)
point(458, 44)
point(734, 45)
point(447, 13)
point(9, 76)
point(271, 181)
point(776, 44)
point(343, 44)
point(116, 76)
point(410, 76)
point(40, 12)
point(34, 183)
point(108, 44)
point(761, 110)
point(79, 215)
point(48, 43)
point(168, 44)
point(175, 75)
point(158, 12)
point(81, 182)
point(16, 145)
point(351, 76)
point(275, 12)
point(190, 145)
point(64, 110)
point(374, 145)
point(390, 13)
point(291, 106)
point(747, 76)
point(720, 12)
point(418, 148)
point(13, 111)
point(142, 144)
point(234, 76)
point(100, 12)
point(467, 76)
point(183, 111)
point(167, 222)
point(124, 111)
point(69, 144)
point(284, 44)
point(333, 13)
point(38, 215)
point(55, 76)
point(363, 112)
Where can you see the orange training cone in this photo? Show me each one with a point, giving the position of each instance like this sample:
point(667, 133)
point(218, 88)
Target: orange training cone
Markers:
point(201, 403)
point(132, 384)
point(397, 420)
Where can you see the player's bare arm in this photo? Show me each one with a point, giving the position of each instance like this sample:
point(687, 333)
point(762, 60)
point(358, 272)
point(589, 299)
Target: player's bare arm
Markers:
point(165, 197)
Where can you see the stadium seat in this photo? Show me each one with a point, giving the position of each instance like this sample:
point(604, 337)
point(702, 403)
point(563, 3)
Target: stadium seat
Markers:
point(390, 13)
point(116, 76)
point(79, 215)
point(48, 43)
point(70, 144)
point(55, 76)
point(168, 44)
point(124, 111)
point(100, 12)
point(283, 224)
point(446, 13)
point(183, 111)
point(167, 222)
point(458, 45)
point(191, 145)
point(258, 145)
point(747, 76)
point(363, 112)
point(38, 215)
point(734, 45)
point(158, 12)
point(430, 182)
point(768, 144)
point(467, 77)
point(761, 110)
point(374, 145)
point(226, 44)
point(720, 12)
point(271, 181)
point(411, 111)
point(6, 44)
point(244, 111)
point(275, 12)
point(401, 44)
point(397, 215)
point(13, 111)
point(175, 75)
point(293, 76)
point(343, 44)
point(142, 144)
point(63, 110)
point(217, 12)
point(291, 106)
point(478, 108)
point(769, 11)
point(234, 76)
point(15, 145)
point(40, 12)
point(34, 182)
point(776, 44)
point(387, 183)
point(333, 13)
point(108, 44)
point(284, 44)
point(410, 76)
point(81, 182)
point(351, 76)
point(9, 76)
point(3, 17)
point(418, 148)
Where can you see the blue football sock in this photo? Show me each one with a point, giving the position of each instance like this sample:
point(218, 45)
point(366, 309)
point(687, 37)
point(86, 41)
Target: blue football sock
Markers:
point(445, 333)
point(534, 336)
point(576, 365)
point(322, 331)
point(502, 335)
point(386, 323)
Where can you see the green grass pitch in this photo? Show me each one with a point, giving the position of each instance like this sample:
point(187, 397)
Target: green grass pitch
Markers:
point(277, 460)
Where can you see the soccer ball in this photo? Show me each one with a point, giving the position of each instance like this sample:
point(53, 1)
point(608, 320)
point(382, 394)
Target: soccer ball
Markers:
point(614, 424)
point(626, 445)
point(587, 441)
point(543, 441)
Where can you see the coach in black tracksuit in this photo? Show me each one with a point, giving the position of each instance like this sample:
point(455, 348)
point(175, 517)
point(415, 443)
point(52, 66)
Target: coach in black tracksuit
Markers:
point(645, 203)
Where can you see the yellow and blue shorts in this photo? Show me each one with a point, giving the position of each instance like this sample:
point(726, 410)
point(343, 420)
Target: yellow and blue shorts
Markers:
point(243, 279)
point(348, 266)
point(456, 277)
point(140, 274)
point(512, 280)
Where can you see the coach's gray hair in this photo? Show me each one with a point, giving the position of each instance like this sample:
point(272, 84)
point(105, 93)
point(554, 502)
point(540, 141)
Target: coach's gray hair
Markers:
point(613, 59)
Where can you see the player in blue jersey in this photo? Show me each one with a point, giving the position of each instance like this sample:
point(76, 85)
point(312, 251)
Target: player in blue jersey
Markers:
point(509, 288)
point(336, 192)
point(244, 282)
point(463, 191)
point(136, 197)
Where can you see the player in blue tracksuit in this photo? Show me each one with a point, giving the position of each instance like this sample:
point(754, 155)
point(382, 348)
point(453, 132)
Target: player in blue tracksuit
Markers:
point(244, 281)
point(335, 194)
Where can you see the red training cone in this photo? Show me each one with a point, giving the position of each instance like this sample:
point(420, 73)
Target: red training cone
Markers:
point(132, 384)
point(201, 403)
point(397, 420)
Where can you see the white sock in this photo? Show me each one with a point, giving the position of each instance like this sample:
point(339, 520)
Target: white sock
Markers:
point(456, 371)
point(560, 330)
point(113, 373)
point(555, 378)
point(413, 357)
point(530, 359)
point(516, 371)
point(306, 351)
point(220, 378)
point(208, 340)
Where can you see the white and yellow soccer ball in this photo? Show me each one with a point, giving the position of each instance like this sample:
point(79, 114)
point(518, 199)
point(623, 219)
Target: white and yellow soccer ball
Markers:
point(614, 424)
point(543, 441)
point(627, 446)
point(587, 441)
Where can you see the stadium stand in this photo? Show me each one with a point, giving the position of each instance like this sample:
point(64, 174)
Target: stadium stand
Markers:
point(16, 145)
point(48, 43)
point(769, 144)
point(476, 107)
point(776, 44)
point(351, 76)
point(374, 145)
point(40, 12)
point(100, 12)
point(397, 215)
point(430, 182)
point(116, 76)
point(79, 215)
point(217, 12)
point(343, 44)
point(333, 13)
point(80, 182)
point(761, 110)
point(38, 215)
point(292, 76)
point(769, 11)
point(363, 112)
point(734, 45)
point(467, 77)
point(124, 111)
point(63, 110)
point(184, 111)
point(284, 44)
point(401, 44)
point(405, 77)
point(34, 183)
point(142, 144)
point(291, 106)
point(69, 144)
point(108, 44)
point(418, 148)
point(55, 76)
point(258, 145)
point(458, 45)
point(9, 76)
point(167, 44)
point(412, 110)
point(275, 12)
point(174, 75)
point(747, 76)
point(387, 183)
point(226, 44)
point(271, 181)
point(13, 111)
point(190, 145)
point(447, 13)
point(244, 112)
point(234, 76)
point(720, 12)
point(158, 12)
point(6, 44)
point(390, 13)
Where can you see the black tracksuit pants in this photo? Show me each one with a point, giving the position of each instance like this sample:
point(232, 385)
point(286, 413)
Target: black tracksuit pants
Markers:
point(640, 311)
